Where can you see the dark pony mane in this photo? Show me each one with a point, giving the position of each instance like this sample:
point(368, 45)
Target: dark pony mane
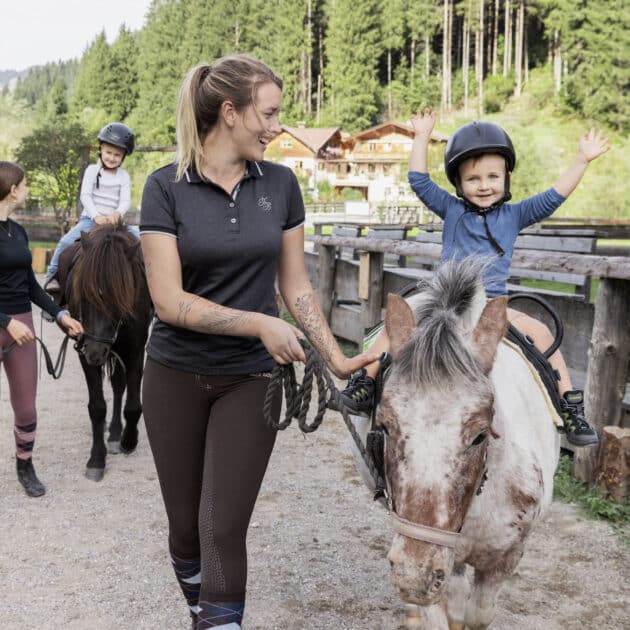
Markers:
point(438, 351)
point(108, 272)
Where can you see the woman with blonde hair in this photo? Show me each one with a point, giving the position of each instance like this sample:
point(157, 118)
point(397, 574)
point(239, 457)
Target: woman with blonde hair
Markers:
point(217, 227)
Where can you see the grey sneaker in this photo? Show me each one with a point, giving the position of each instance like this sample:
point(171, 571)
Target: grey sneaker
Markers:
point(578, 431)
point(358, 396)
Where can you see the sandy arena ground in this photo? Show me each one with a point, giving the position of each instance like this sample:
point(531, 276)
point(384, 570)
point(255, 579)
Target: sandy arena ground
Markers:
point(93, 555)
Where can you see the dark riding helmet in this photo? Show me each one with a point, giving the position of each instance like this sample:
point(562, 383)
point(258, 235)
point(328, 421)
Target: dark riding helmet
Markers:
point(477, 138)
point(118, 135)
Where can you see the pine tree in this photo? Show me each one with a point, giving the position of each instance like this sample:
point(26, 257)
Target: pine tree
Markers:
point(353, 48)
point(162, 64)
point(93, 75)
point(392, 28)
point(121, 93)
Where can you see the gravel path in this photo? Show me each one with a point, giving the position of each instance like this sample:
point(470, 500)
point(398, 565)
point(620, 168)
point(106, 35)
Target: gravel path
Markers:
point(93, 555)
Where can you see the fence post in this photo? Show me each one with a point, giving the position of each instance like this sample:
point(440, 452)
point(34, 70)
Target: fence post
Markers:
point(371, 304)
point(607, 367)
point(326, 278)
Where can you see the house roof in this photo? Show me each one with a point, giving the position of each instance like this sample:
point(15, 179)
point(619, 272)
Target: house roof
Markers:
point(313, 138)
point(395, 126)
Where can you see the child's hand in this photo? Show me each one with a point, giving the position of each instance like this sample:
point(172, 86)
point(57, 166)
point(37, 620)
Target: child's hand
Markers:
point(423, 122)
point(100, 220)
point(592, 145)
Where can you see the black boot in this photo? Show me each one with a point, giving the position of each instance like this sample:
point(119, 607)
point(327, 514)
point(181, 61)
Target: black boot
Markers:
point(27, 477)
point(578, 431)
point(358, 396)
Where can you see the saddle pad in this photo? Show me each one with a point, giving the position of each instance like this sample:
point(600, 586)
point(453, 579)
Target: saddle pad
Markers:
point(539, 383)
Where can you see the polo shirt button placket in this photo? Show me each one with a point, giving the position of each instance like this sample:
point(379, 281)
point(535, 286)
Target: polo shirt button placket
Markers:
point(233, 218)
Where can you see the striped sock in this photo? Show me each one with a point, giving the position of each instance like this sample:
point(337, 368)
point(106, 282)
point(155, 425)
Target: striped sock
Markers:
point(188, 573)
point(220, 615)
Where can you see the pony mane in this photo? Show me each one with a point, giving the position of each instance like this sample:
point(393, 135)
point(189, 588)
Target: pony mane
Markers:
point(108, 271)
point(446, 311)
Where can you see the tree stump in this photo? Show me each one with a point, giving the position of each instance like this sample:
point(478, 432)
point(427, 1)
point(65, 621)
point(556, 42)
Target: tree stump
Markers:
point(614, 465)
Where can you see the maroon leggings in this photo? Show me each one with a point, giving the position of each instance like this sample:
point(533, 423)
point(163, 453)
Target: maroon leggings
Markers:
point(20, 366)
point(211, 446)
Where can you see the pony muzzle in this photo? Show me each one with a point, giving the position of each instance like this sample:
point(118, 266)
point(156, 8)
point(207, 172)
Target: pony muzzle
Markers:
point(419, 570)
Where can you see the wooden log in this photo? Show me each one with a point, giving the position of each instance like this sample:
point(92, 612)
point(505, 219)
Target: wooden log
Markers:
point(613, 473)
point(607, 367)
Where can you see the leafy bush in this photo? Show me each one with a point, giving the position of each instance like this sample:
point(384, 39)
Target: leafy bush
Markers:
point(497, 90)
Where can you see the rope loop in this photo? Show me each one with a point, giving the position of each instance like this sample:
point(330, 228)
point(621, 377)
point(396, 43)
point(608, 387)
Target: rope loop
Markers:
point(298, 400)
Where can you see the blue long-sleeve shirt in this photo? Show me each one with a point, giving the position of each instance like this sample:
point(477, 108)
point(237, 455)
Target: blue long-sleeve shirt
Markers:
point(464, 233)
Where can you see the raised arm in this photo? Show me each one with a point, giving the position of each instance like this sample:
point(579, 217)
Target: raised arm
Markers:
point(301, 300)
point(423, 124)
point(592, 145)
point(179, 308)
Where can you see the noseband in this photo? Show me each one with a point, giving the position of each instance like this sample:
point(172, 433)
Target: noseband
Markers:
point(109, 341)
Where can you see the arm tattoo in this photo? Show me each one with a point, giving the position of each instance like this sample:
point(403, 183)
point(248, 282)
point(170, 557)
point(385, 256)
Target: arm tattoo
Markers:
point(184, 309)
point(213, 319)
point(314, 325)
point(222, 321)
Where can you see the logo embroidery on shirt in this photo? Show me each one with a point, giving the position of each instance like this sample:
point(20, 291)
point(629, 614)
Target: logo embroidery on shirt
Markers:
point(265, 204)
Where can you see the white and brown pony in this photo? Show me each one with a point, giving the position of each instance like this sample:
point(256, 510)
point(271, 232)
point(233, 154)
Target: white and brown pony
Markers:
point(471, 449)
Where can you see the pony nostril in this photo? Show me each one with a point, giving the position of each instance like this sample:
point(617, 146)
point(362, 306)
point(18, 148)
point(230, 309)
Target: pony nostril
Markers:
point(438, 578)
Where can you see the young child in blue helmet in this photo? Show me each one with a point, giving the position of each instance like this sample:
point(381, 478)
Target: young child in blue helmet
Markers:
point(105, 192)
point(479, 161)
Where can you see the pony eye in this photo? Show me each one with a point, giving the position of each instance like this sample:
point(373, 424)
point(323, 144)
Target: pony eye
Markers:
point(480, 438)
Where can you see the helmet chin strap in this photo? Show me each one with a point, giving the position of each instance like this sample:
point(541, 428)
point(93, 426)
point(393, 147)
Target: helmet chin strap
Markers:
point(482, 212)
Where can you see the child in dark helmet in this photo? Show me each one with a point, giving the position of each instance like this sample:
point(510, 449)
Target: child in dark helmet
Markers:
point(479, 161)
point(105, 192)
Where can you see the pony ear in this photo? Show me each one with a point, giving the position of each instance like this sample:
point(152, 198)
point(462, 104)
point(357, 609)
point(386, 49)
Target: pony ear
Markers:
point(399, 323)
point(490, 329)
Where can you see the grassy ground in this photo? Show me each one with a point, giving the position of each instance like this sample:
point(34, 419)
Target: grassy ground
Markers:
point(591, 500)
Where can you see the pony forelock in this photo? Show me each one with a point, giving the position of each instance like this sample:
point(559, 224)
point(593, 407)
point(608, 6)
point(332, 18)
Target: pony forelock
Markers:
point(446, 310)
point(108, 272)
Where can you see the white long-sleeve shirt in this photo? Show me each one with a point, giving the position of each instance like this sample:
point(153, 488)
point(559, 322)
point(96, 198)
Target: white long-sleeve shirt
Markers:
point(112, 195)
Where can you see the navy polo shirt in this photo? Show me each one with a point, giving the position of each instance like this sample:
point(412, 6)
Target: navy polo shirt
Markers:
point(229, 246)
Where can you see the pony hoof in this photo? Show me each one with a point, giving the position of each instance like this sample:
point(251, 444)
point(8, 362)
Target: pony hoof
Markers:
point(127, 450)
point(95, 474)
point(113, 447)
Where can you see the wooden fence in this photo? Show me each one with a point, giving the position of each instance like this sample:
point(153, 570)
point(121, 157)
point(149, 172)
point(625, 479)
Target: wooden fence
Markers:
point(367, 282)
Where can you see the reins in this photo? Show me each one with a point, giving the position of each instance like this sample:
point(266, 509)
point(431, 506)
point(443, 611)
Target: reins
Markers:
point(298, 399)
point(56, 369)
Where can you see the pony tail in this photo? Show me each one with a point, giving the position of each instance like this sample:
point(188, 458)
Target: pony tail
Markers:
point(189, 149)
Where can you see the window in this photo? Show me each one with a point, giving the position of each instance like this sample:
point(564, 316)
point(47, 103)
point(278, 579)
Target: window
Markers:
point(286, 144)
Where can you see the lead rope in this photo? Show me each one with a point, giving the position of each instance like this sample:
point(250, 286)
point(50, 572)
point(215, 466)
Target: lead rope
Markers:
point(54, 370)
point(298, 399)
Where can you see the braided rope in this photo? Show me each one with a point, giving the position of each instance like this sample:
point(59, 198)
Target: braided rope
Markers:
point(298, 400)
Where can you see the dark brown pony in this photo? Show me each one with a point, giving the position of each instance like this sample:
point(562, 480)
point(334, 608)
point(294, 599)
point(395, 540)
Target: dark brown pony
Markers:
point(108, 293)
